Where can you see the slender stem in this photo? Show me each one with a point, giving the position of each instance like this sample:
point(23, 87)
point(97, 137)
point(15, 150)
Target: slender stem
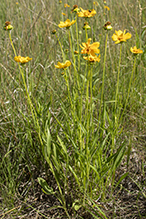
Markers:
point(63, 56)
point(67, 84)
point(86, 34)
point(12, 43)
point(76, 78)
point(91, 100)
point(117, 89)
point(77, 43)
point(129, 88)
point(71, 47)
point(103, 77)
point(88, 109)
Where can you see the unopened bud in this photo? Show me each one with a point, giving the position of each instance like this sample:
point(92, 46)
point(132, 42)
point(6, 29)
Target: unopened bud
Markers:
point(8, 26)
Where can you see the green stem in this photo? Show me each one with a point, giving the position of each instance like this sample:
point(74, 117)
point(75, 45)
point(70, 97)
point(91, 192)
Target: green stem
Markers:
point(71, 47)
point(86, 35)
point(76, 78)
point(63, 56)
point(129, 88)
point(103, 78)
point(88, 109)
point(77, 43)
point(117, 89)
point(91, 100)
point(12, 43)
point(67, 84)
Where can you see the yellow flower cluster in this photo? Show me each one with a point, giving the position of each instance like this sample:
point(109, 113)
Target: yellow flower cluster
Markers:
point(90, 50)
point(21, 59)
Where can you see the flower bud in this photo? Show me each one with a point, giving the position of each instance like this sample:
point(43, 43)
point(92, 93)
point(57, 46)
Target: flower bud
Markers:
point(53, 31)
point(8, 26)
point(107, 26)
point(86, 26)
point(75, 9)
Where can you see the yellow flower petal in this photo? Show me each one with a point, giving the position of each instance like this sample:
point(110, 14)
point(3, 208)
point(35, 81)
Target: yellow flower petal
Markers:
point(106, 7)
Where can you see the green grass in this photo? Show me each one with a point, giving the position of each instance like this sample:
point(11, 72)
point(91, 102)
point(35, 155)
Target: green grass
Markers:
point(79, 136)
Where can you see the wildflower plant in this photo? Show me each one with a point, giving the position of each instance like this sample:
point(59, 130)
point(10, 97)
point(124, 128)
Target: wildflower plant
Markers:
point(23, 60)
point(82, 137)
point(79, 135)
point(84, 133)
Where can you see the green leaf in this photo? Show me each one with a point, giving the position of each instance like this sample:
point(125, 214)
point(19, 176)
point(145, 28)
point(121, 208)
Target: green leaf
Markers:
point(48, 142)
point(76, 177)
point(45, 187)
point(62, 145)
point(122, 177)
point(118, 156)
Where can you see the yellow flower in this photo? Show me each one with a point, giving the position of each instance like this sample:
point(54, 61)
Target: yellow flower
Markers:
point(8, 26)
point(66, 24)
point(21, 59)
point(91, 49)
point(106, 7)
point(17, 3)
point(120, 36)
point(86, 13)
point(91, 58)
point(66, 5)
point(60, 1)
point(63, 14)
point(63, 65)
point(135, 51)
